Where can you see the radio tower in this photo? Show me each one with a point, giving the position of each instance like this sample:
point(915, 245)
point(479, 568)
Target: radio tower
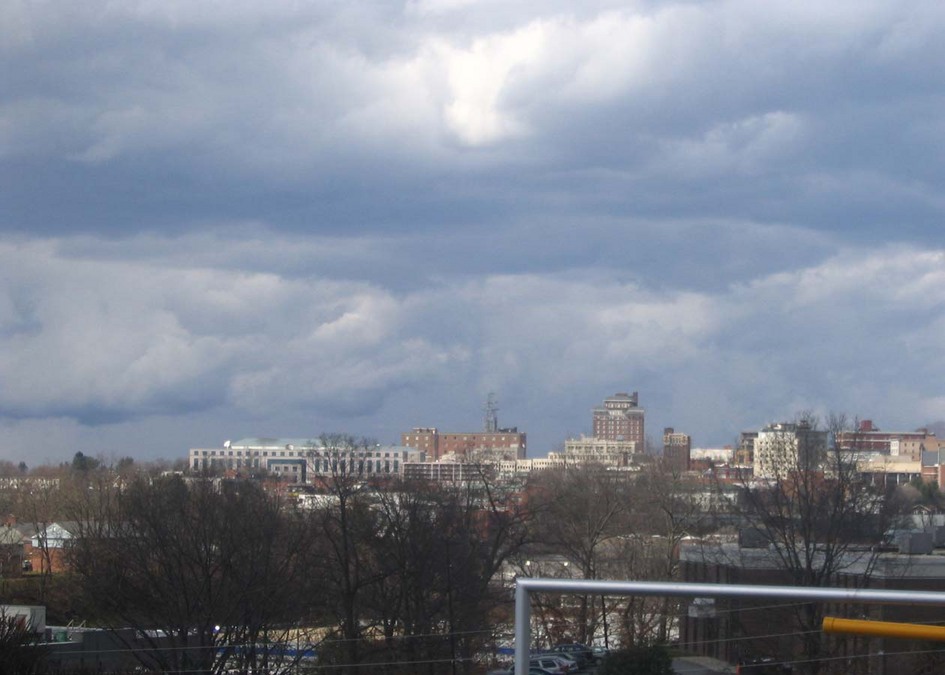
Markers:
point(491, 410)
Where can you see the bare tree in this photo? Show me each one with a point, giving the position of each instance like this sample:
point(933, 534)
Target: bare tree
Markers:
point(485, 526)
point(662, 508)
point(821, 519)
point(205, 573)
point(410, 602)
point(344, 525)
point(411, 563)
point(40, 502)
point(581, 508)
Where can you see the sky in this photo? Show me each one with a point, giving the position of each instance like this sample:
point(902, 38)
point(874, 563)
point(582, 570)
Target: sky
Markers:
point(230, 219)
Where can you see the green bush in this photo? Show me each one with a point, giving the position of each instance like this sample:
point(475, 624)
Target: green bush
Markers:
point(638, 661)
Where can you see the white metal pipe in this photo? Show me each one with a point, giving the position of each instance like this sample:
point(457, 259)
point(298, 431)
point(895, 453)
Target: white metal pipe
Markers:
point(523, 624)
point(524, 587)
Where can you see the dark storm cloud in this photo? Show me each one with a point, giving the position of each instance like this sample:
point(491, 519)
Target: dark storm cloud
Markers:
point(287, 218)
point(130, 339)
point(317, 118)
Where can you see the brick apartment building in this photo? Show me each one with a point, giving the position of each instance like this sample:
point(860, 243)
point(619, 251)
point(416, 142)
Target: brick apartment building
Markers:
point(676, 449)
point(501, 444)
point(867, 438)
point(620, 418)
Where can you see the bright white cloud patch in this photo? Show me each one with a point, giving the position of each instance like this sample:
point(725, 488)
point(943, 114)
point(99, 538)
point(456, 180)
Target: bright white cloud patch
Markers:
point(479, 76)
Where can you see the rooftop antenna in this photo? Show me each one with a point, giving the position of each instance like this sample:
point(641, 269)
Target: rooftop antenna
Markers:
point(491, 410)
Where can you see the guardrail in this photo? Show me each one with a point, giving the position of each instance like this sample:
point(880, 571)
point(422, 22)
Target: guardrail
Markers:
point(525, 586)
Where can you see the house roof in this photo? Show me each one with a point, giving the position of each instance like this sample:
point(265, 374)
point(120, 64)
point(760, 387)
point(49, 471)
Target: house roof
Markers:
point(10, 536)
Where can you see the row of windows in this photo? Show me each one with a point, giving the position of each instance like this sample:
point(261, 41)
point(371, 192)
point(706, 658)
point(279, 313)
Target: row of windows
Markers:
point(456, 437)
point(239, 453)
point(368, 466)
point(265, 453)
point(325, 465)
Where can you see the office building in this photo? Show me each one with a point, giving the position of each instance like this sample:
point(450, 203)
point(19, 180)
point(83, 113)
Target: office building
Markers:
point(786, 447)
point(676, 449)
point(492, 444)
point(620, 418)
point(502, 444)
point(586, 449)
point(300, 460)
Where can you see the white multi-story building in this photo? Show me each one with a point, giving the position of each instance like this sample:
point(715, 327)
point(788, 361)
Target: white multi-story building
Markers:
point(302, 459)
point(599, 451)
point(787, 447)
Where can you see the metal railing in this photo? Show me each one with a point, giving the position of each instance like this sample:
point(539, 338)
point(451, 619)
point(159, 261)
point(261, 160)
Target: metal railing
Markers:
point(524, 587)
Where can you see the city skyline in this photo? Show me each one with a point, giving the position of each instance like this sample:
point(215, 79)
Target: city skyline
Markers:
point(282, 219)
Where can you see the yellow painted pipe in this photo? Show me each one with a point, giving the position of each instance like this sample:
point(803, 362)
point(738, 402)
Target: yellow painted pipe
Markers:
point(912, 631)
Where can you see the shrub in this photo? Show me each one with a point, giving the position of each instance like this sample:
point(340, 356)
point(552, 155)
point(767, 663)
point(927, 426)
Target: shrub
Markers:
point(653, 660)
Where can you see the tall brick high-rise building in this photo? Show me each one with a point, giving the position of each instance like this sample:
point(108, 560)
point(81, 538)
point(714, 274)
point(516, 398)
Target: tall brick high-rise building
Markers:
point(676, 449)
point(620, 418)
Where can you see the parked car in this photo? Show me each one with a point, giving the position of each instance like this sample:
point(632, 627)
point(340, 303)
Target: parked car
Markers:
point(552, 664)
point(762, 666)
point(572, 662)
point(583, 654)
point(532, 670)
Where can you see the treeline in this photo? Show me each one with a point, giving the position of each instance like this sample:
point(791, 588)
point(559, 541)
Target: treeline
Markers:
point(400, 578)
point(222, 568)
point(417, 577)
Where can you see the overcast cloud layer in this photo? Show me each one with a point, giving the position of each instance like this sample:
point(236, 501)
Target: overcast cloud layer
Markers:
point(229, 219)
